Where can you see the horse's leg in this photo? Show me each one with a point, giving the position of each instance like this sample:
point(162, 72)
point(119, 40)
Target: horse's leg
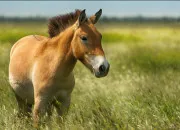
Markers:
point(42, 107)
point(62, 105)
point(24, 107)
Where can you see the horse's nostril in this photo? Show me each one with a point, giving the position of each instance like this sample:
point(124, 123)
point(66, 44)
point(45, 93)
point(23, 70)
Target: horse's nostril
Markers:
point(102, 69)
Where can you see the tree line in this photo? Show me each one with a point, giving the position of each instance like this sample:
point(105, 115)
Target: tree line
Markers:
point(138, 19)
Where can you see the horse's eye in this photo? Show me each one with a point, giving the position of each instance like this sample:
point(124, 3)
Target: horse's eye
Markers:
point(84, 39)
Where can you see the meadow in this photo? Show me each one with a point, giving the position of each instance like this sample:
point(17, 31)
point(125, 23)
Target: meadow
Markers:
point(141, 91)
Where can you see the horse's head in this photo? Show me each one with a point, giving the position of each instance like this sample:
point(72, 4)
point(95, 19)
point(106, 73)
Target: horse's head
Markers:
point(86, 44)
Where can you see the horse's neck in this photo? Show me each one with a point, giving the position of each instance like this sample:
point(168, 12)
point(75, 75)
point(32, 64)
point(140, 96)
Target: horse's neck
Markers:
point(65, 55)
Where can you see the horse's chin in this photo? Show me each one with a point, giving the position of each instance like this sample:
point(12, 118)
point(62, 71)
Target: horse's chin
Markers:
point(99, 75)
point(94, 71)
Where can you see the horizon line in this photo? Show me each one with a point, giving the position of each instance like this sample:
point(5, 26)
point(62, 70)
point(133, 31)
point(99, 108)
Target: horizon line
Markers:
point(107, 16)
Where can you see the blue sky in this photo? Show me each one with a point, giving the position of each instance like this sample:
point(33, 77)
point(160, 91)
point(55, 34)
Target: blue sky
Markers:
point(110, 8)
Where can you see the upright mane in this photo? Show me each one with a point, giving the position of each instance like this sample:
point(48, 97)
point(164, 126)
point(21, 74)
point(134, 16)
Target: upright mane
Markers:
point(59, 23)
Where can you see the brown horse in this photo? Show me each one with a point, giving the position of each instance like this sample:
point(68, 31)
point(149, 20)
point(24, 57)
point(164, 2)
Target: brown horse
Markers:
point(40, 69)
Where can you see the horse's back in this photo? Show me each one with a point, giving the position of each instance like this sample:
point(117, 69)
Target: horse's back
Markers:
point(22, 58)
point(24, 50)
point(28, 41)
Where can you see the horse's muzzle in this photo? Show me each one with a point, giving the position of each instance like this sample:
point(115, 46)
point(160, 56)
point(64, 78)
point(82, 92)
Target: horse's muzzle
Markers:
point(102, 71)
point(97, 64)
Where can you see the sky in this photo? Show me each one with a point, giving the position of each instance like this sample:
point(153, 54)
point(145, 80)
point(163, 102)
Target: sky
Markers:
point(110, 8)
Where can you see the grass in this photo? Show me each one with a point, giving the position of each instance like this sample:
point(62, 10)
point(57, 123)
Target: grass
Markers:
point(117, 37)
point(141, 90)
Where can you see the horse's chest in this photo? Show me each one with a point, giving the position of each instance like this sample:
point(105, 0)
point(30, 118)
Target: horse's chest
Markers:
point(64, 83)
point(63, 87)
point(62, 93)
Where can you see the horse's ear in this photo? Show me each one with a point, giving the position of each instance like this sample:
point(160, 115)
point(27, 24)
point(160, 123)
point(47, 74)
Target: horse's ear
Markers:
point(96, 17)
point(82, 18)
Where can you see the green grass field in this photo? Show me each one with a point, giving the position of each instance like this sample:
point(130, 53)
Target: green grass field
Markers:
point(141, 91)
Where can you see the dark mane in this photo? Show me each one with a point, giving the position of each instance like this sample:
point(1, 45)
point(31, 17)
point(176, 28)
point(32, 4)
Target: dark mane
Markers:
point(58, 23)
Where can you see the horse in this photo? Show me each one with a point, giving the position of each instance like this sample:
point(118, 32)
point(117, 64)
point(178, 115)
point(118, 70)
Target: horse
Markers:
point(41, 68)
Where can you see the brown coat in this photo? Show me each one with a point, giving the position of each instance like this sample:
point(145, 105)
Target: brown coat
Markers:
point(41, 68)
